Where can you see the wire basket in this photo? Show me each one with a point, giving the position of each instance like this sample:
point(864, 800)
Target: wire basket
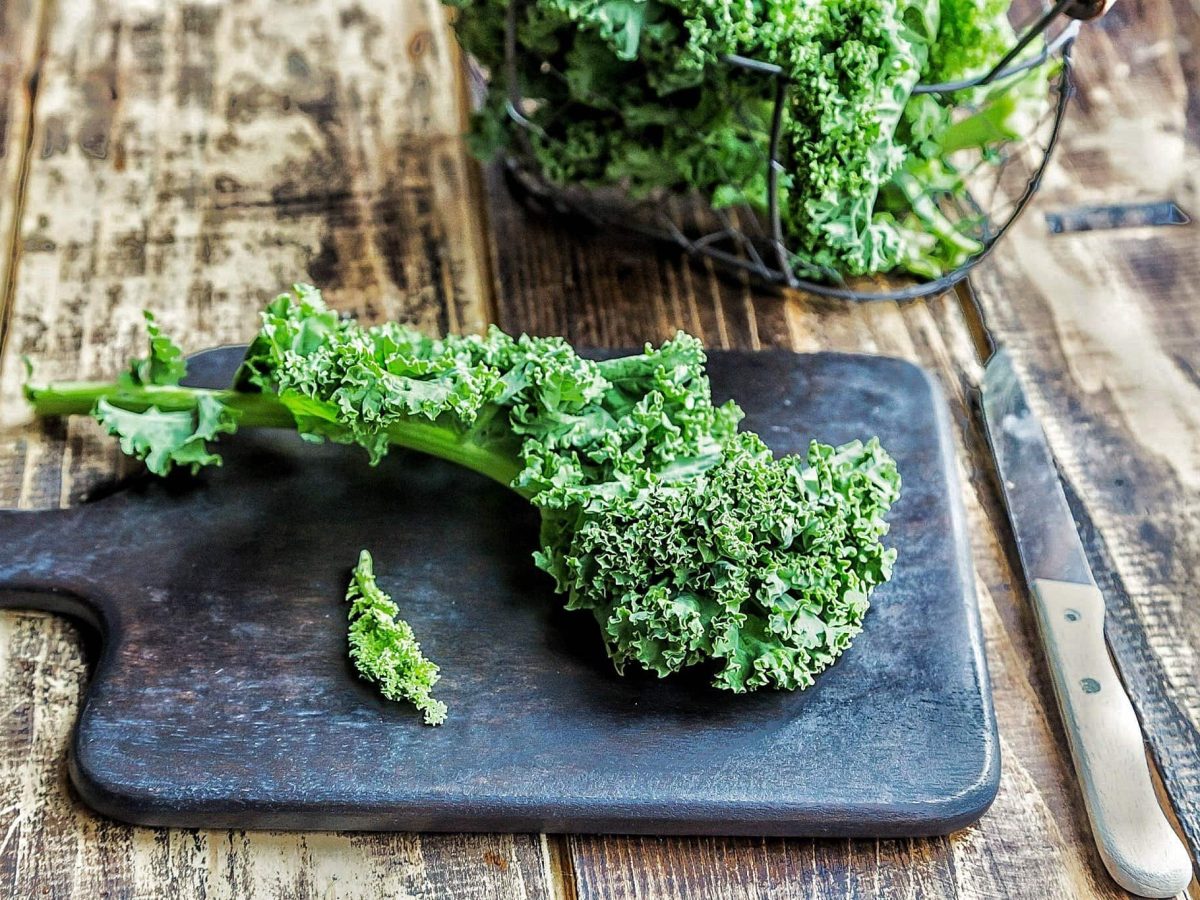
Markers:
point(740, 238)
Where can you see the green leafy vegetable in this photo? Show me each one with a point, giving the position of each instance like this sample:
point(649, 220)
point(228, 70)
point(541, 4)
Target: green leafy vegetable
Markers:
point(763, 566)
point(157, 422)
point(166, 438)
point(636, 93)
point(384, 649)
point(163, 365)
point(685, 539)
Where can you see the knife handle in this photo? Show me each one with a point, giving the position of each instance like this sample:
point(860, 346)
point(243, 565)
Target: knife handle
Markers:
point(1138, 845)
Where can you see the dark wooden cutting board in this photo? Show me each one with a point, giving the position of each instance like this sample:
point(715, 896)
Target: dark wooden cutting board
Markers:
point(223, 696)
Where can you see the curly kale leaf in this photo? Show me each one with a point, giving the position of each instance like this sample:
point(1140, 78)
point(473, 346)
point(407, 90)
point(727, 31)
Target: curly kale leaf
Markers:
point(688, 542)
point(761, 566)
point(972, 37)
point(163, 364)
point(350, 384)
point(529, 410)
point(384, 649)
point(162, 438)
point(655, 420)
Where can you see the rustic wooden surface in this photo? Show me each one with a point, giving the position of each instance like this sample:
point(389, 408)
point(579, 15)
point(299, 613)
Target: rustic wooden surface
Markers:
point(192, 158)
point(1106, 326)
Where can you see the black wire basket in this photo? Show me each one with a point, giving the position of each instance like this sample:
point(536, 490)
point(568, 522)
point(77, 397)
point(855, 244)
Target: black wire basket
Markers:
point(999, 182)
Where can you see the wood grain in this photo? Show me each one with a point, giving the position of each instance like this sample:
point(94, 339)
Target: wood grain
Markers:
point(21, 52)
point(1034, 841)
point(193, 158)
point(1105, 324)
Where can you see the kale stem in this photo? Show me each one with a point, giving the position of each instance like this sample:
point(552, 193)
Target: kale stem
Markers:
point(456, 448)
point(265, 410)
point(66, 398)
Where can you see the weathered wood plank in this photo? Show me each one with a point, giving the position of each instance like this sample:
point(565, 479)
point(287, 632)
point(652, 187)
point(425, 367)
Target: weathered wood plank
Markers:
point(21, 51)
point(1105, 326)
point(194, 158)
point(1035, 840)
point(235, 170)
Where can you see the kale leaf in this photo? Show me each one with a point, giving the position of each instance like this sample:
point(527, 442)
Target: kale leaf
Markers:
point(637, 94)
point(384, 649)
point(688, 542)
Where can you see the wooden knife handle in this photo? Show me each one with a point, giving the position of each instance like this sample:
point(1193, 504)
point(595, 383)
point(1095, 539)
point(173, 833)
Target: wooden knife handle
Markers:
point(1137, 843)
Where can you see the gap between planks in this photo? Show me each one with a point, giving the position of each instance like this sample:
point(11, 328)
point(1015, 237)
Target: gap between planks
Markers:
point(559, 866)
point(28, 83)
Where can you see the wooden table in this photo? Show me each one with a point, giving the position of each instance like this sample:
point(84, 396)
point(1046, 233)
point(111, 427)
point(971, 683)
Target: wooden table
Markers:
point(194, 157)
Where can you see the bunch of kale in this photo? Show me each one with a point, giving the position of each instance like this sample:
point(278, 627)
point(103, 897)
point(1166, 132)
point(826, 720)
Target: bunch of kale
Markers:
point(637, 93)
point(684, 537)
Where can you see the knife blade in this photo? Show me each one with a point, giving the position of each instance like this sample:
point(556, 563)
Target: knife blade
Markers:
point(1140, 849)
point(1047, 541)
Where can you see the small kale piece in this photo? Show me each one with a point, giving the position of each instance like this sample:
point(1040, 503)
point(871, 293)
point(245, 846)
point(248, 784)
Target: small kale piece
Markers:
point(384, 649)
point(163, 364)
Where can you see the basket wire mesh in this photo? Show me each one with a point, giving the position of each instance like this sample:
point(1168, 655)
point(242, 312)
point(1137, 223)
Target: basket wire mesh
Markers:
point(999, 183)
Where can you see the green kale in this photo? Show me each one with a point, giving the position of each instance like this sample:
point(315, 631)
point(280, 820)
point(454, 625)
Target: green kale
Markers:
point(760, 565)
point(384, 649)
point(166, 438)
point(164, 364)
point(688, 542)
point(636, 94)
point(157, 421)
point(972, 36)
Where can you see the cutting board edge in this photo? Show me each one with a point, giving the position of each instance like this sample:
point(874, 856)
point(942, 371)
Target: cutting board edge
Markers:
point(893, 820)
point(990, 776)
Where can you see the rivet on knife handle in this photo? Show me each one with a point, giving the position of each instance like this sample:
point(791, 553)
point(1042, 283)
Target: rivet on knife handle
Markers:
point(1137, 843)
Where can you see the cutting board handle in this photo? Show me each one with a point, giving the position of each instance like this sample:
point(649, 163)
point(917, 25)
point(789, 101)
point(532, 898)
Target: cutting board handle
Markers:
point(35, 573)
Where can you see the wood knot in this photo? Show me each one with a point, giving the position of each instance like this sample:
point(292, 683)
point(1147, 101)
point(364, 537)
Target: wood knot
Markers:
point(420, 44)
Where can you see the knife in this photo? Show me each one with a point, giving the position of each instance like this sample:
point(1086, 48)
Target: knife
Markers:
point(1136, 842)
